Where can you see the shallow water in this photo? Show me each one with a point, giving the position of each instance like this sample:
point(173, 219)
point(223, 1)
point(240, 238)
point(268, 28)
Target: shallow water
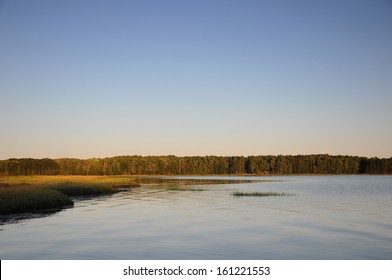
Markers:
point(330, 217)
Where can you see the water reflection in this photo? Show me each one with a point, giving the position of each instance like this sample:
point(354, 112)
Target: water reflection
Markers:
point(15, 218)
point(197, 180)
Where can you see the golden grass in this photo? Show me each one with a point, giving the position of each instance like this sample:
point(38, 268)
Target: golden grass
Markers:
point(47, 180)
point(20, 194)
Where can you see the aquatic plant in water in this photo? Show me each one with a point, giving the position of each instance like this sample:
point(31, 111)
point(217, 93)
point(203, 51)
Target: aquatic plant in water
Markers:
point(261, 194)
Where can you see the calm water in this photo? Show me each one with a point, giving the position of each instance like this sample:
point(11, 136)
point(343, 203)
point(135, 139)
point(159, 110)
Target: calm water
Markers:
point(330, 217)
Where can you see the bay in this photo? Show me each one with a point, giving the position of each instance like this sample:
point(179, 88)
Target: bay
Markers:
point(197, 217)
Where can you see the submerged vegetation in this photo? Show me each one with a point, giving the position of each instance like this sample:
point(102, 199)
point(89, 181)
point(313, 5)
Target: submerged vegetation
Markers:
point(200, 165)
point(256, 194)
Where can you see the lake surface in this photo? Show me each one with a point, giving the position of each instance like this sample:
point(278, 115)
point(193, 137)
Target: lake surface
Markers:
point(329, 217)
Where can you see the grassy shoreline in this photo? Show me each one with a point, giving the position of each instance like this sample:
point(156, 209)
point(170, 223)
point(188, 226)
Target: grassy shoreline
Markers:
point(32, 194)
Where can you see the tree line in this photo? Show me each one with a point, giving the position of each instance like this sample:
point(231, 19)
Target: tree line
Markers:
point(200, 165)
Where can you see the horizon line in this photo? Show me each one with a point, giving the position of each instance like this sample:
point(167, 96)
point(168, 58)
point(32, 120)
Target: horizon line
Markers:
point(210, 155)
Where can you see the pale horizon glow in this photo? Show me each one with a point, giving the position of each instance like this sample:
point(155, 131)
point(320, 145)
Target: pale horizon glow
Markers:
point(89, 79)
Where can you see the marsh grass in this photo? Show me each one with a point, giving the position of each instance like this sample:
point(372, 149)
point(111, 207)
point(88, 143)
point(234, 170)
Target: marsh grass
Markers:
point(261, 194)
point(29, 194)
point(49, 180)
point(182, 189)
point(24, 199)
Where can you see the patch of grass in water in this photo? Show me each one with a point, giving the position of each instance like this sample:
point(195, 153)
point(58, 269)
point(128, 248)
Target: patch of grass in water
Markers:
point(261, 194)
point(180, 189)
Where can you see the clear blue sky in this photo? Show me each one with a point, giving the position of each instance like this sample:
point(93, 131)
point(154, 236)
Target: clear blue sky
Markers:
point(104, 78)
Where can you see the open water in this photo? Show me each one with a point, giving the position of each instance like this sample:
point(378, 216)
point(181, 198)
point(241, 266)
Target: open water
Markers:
point(328, 217)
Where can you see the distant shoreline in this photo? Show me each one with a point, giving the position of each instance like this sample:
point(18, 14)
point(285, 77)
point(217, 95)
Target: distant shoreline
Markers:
point(321, 164)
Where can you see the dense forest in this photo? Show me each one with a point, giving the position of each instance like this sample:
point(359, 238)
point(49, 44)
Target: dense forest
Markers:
point(201, 165)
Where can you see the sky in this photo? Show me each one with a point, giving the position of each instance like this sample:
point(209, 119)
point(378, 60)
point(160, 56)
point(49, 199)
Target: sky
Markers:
point(104, 78)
